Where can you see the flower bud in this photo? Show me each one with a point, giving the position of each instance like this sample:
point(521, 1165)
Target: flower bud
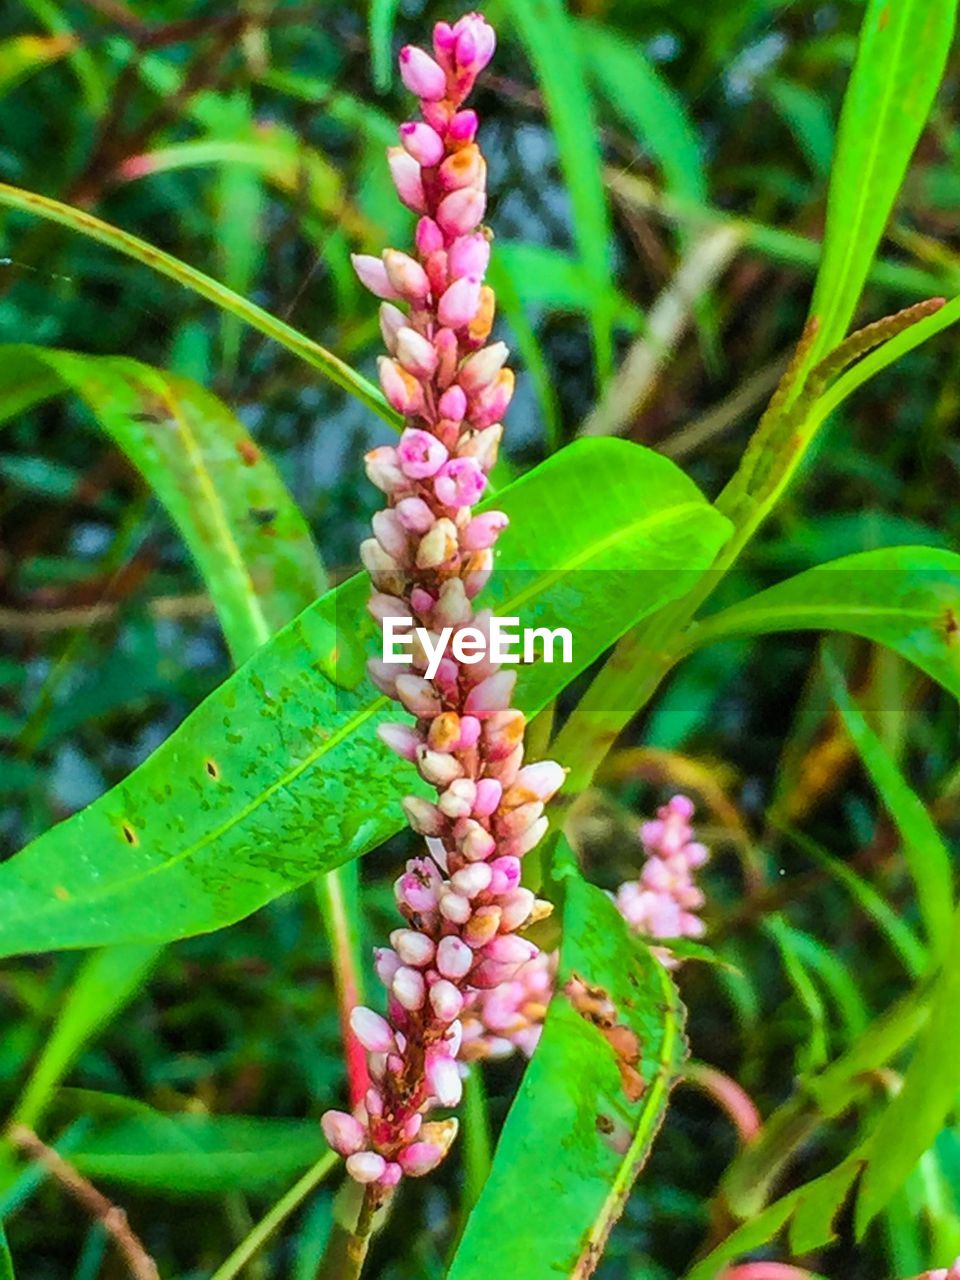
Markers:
point(465, 168)
point(459, 303)
point(401, 739)
point(429, 238)
point(472, 880)
point(490, 695)
point(479, 370)
point(457, 800)
point(383, 469)
point(415, 516)
point(423, 143)
point(409, 988)
point(412, 947)
point(438, 767)
point(421, 74)
point(443, 1079)
point(407, 178)
point(386, 962)
point(469, 255)
point(491, 403)
point(344, 1134)
point(445, 1000)
point(422, 815)
point(419, 1158)
point(483, 925)
point(418, 696)
point(391, 319)
point(539, 781)
point(483, 531)
point(420, 454)
point(366, 1166)
point(460, 212)
point(372, 273)
point(488, 796)
point(453, 404)
point(516, 908)
point(401, 388)
point(462, 129)
point(455, 907)
point(454, 957)
point(438, 546)
point(459, 483)
point(416, 353)
point(406, 276)
point(373, 1031)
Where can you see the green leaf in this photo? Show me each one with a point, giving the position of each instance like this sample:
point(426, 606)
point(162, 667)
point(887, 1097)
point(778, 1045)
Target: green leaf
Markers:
point(251, 544)
point(900, 61)
point(383, 17)
point(911, 1123)
point(199, 1155)
point(279, 774)
point(6, 1262)
point(924, 850)
point(808, 118)
point(188, 277)
point(21, 56)
point(907, 598)
point(106, 981)
point(551, 43)
point(647, 104)
point(578, 1135)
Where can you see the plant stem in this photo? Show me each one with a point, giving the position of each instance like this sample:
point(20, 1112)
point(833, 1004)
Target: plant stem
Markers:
point(349, 1241)
point(267, 1225)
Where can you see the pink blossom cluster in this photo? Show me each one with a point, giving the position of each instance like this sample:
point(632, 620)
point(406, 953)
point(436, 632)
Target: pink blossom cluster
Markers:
point(663, 902)
point(660, 904)
point(430, 555)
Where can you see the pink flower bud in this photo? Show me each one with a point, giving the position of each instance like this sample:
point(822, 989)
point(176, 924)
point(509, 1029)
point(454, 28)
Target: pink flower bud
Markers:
point(464, 168)
point(373, 1032)
point(386, 963)
point(474, 841)
point(480, 369)
point(391, 1174)
point(418, 696)
point(383, 676)
point(469, 256)
point(366, 1166)
point(459, 303)
point(437, 767)
point(482, 445)
point(444, 41)
point(409, 988)
point(489, 792)
point(463, 127)
point(420, 454)
point(490, 695)
point(423, 143)
point(483, 530)
point(392, 537)
point(429, 237)
point(402, 389)
point(454, 957)
point(491, 403)
point(448, 353)
point(382, 466)
point(344, 1134)
point(416, 353)
point(503, 732)
point(445, 1000)
point(472, 880)
point(423, 816)
point(453, 404)
point(375, 560)
point(507, 948)
point(415, 516)
point(421, 74)
point(459, 483)
point(373, 275)
point(515, 909)
point(407, 178)
point(420, 1158)
point(455, 907)
point(419, 886)
point(443, 1079)
point(406, 276)
point(538, 781)
point(391, 319)
point(469, 732)
point(506, 875)
point(483, 925)
point(400, 738)
point(458, 799)
point(521, 844)
point(413, 948)
point(475, 43)
point(461, 211)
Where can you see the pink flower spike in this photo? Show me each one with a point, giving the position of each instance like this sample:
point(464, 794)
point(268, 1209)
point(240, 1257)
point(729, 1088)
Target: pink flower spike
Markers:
point(461, 211)
point(491, 695)
point(373, 1032)
point(423, 143)
point(407, 178)
point(460, 302)
point(463, 127)
point(420, 1158)
point(373, 275)
point(476, 41)
point(483, 530)
point(366, 1166)
point(420, 454)
point(469, 256)
point(444, 39)
point(421, 74)
point(344, 1134)
point(459, 483)
point(401, 739)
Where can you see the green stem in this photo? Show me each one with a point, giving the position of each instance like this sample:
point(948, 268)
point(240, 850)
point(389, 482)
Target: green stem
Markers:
point(346, 1250)
point(269, 1224)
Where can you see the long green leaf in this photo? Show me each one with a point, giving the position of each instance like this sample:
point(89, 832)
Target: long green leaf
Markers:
point(914, 1118)
point(6, 1262)
point(251, 544)
point(199, 1155)
point(924, 850)
point(190, 278)
point(907, 598)
point(550, 41)
point(279, 774)
point(578, 1134)
point(900, 61)
point(21, 56)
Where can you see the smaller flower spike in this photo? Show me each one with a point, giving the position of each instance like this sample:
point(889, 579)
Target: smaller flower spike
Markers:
point(462, 902)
